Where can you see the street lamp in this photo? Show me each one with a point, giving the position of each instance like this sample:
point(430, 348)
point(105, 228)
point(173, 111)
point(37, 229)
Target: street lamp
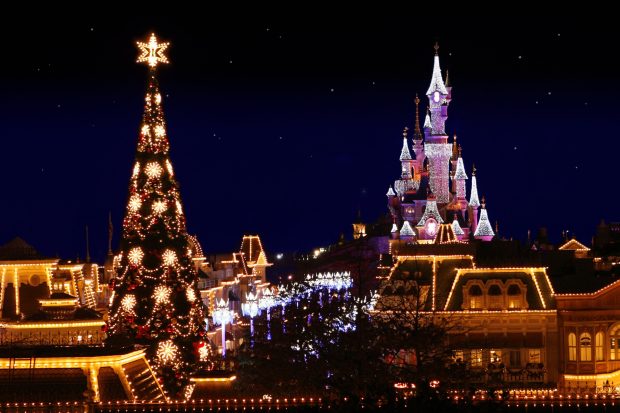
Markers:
point(223, 315)
point(250, 309)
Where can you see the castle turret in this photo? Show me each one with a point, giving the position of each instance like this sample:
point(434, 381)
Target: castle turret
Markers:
point(406, 232)
point(484, 230)
point(474, 203)
point(430, 220)
point(436, 146)
point(405, 158)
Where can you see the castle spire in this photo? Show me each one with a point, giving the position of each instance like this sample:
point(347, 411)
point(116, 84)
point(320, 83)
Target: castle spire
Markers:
point(405, 155)
point(455, 148)
point(456, 227)
point(437, 83)
point(460, 167)
point(417, 132)
point(427, 119)
point(484, 230)
point(474, 202)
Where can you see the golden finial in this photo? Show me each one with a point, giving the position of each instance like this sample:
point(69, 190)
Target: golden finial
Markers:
point(405, 131)
point(436, 48)
point(484, 202)
point(447, 79)
point(152, 52)
point(473, 169)
point(460, 150)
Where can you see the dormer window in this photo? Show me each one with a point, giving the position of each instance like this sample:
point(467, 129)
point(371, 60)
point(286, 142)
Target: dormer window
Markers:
point(475, 297)
point(514, 297)
point(436, 97)
point(496, 299)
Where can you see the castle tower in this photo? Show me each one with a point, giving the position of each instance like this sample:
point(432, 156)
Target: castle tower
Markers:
point(474, 203)
point(436, 146)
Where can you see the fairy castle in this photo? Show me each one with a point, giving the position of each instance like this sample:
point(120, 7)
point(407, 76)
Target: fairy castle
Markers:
point(432, 189)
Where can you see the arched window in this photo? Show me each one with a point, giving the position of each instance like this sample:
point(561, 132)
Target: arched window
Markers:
point(514, 290)
point(514, 297)
point(585, 347)
point(572, 347)
point(599, 339)
point(614, 342)
point(475, 297)
point(496, 300)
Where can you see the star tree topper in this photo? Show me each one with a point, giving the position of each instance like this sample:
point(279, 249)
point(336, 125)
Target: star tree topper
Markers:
point(152, 52)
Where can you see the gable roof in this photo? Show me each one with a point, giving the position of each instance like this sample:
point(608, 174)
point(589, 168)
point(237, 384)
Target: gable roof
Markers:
point(573, 245)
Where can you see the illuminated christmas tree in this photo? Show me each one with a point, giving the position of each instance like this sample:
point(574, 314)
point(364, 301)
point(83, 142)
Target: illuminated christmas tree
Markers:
point(155, 299)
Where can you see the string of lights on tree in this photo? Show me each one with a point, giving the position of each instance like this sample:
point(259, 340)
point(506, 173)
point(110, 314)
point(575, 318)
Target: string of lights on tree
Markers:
point(155, 299)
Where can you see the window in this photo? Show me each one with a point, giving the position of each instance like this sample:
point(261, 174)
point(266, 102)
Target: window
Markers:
point(458, 356)
point(496, 356)
point(614, 342)
point(533, 355)
point(496, 300)
point(476, 357)
point(599, 339)
point(514, 297)
point(475, 297)
point(515, 358)
point(585, 347)
point(572, 347)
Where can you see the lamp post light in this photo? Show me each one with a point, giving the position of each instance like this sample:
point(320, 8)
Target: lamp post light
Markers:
point(265, 303)
point(250, 309)
point(223, 315)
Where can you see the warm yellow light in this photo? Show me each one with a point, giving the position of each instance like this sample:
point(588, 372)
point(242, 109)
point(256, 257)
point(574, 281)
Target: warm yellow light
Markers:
point(153, 170)
point(128, 303)
point(169, 257)
point(135, 203)
point(152, 52)
point(167, 351)
point(161, 294)
point(159, 207)
point(135, 256)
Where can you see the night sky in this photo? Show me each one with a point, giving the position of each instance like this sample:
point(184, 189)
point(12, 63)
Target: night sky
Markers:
point(286, 126)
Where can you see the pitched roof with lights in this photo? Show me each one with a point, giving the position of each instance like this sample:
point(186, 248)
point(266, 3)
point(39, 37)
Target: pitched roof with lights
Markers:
point(573, 245)
point(539, 294)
